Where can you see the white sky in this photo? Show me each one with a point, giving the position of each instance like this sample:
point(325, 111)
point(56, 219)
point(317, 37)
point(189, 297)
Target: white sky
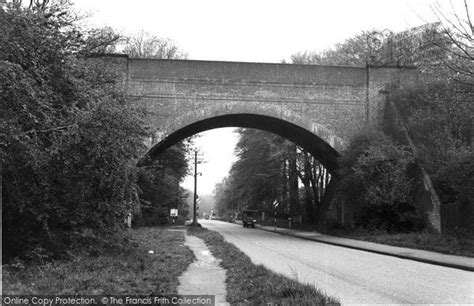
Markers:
point(216, 148)
point(256, 30)
point(253, 31)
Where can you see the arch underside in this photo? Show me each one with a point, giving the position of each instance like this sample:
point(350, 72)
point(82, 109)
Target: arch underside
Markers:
point(309, 141)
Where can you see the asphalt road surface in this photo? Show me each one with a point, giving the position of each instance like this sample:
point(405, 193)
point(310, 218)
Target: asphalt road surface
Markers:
point(350, 275)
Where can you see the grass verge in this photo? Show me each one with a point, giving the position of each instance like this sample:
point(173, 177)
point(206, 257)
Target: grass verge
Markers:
point(461, 244)
point(248, 283)
point(123, 265)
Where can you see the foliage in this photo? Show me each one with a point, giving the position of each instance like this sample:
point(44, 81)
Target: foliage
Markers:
point(438, 117)
point(146, 45)
point(458, 31)
point(432, 48)
point(255, 179)
point(438, 112)
point(366, 48)
point(159, 183)
point(67, 136)
point(375, 182)
point(103, 40)
point(270, 168)
point(455, 181)
point(159, 186)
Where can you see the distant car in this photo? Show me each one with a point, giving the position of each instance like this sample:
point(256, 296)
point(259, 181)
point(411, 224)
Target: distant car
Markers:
point(249, 218)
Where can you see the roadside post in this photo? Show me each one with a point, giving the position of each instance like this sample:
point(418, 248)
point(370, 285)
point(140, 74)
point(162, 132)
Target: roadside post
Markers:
point(275, 205)
point(195, 187)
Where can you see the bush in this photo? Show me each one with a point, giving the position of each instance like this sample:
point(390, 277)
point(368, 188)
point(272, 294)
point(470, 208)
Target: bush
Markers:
point(455, 185)
point(374, 181)
point(67, 136)
point(439, 120)
point(159, 188)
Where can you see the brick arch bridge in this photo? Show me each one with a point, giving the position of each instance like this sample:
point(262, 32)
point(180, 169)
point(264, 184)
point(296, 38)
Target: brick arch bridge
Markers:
point(318, 107)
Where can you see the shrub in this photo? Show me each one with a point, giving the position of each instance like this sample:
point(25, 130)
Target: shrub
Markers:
point(375, 182)
point(455, 185)
point(67, 136)
point(438, 117)
point(159, 186)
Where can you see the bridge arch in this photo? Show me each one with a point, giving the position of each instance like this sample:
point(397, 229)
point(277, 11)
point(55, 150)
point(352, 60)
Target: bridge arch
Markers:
point(320, 141)
point(329, 103)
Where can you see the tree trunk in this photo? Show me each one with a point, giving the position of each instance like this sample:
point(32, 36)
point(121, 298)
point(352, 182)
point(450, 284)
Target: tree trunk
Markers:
point(293, 180)
point(325, 203)
point(284, 185)
point(306, 179)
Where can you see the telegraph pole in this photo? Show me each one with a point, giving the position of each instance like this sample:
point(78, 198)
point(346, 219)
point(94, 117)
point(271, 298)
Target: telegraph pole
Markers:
point(195, 188)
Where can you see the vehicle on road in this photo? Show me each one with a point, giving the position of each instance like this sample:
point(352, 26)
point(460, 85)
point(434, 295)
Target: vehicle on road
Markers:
point(249, 218)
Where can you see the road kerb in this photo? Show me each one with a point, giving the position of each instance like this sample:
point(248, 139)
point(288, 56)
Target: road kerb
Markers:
point(461, 266)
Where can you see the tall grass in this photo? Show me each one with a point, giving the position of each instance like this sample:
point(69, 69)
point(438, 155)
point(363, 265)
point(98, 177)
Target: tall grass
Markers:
point(124, 265)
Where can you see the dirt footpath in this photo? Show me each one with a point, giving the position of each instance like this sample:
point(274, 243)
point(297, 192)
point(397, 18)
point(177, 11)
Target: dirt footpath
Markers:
point(204, 276)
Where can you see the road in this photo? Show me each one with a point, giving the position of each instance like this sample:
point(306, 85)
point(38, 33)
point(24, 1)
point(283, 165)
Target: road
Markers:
point(352, 276)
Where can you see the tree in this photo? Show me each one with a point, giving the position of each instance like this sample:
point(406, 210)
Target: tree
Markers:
point(376, 185)
point(67, 135)
point(160, 186)
point(420, 46)
point(366, 48)
point(103, 41)
point(458, 30)
point(220, 198)
point(315, 178)
point(159, 183)
point(255, 179)
point(269, 168)
point(146, 45)
point(438, 111)
point(306, 58)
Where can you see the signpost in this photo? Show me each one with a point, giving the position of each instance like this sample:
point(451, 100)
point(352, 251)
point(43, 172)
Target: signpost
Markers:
point(173, 214)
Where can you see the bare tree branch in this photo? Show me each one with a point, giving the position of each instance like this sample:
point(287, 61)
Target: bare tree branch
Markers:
point(468, 17)
point(146, 45)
